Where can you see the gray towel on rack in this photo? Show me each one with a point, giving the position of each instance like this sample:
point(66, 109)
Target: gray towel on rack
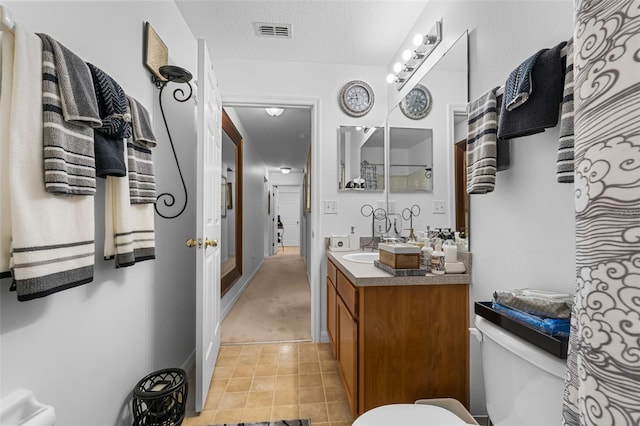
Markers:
point(69, 165)
point(519, 84)
point(116, 124)
point(482, 124)
point(142, 184)
point(565, 150)
point(542, 109)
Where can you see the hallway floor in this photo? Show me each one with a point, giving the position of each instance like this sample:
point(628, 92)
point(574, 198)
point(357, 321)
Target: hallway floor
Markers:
point(275, 381)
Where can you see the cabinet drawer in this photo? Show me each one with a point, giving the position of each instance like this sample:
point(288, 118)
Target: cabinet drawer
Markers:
point(348, 293)
point(331, 272)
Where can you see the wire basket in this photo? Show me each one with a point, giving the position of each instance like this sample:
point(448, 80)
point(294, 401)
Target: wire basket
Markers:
point(159, 398)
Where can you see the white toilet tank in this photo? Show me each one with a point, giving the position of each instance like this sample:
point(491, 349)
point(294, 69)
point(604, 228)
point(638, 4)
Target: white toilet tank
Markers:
point(523, 384)
point(20, 408)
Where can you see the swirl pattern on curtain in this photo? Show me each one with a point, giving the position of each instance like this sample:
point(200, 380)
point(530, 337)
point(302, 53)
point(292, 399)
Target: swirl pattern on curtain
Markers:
point(603, 367)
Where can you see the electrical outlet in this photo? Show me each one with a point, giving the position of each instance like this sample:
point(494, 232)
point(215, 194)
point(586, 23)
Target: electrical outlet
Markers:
point(330, 207)
point(391, 207)
point(439, 207)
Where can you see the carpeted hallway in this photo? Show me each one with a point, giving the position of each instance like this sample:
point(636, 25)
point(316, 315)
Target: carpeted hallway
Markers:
point(275, 306)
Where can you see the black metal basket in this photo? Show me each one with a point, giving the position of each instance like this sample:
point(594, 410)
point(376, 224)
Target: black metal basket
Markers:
point(159, 399)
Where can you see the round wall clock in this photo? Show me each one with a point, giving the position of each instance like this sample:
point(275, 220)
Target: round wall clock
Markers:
point(356, 98)
point(417, 103)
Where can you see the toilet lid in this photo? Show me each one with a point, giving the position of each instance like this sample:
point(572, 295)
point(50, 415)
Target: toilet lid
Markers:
point(408, 415)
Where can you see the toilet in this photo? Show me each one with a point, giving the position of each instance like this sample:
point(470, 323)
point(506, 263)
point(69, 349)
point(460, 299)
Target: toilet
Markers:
point(523, 386)
point(21, 408)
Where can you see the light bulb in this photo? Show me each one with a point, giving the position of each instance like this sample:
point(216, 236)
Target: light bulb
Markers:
point(391, 78)
point(418, 39)
point(407, 54)
point(397, 67)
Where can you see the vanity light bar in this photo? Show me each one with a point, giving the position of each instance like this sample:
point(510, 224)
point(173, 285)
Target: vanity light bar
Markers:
point(429, 42)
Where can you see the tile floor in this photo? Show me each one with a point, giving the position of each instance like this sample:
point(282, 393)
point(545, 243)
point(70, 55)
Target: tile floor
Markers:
point(275, 381)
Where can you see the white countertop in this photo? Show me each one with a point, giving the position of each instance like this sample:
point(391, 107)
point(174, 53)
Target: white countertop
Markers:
point(366, 274)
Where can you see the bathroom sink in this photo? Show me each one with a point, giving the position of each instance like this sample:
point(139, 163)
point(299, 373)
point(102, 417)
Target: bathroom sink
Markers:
point(361, 257)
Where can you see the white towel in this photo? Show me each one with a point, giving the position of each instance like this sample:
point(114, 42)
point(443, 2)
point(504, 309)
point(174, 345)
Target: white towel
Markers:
point(53, 237)
point(129, 228)
point(6, 81)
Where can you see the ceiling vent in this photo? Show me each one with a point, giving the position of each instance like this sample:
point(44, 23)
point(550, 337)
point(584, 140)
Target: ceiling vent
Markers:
point(264, 29)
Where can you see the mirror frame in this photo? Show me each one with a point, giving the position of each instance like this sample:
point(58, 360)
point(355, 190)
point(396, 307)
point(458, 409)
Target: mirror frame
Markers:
point(227, 281)
point(384, 165)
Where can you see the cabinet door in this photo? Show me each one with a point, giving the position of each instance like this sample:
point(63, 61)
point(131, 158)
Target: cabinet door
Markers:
point(332, 319)
point(348, 354)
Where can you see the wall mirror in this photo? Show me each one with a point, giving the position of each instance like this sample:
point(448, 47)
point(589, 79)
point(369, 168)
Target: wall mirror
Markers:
point(427, 131)
point(231, 196)
point(361, 164)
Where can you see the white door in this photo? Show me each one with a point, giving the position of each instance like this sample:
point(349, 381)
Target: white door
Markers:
point(289, 211)
point(209, 155)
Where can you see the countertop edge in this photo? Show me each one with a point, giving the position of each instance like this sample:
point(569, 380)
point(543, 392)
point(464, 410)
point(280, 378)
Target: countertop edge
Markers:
point(364, 274)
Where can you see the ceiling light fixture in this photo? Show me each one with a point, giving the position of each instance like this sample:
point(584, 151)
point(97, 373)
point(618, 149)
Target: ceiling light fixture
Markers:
point(274, 112)
point(285, 170)
point(425, 44)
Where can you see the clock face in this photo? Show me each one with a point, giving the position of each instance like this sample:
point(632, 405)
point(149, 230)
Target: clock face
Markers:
point(356, 98)
point(417, 103)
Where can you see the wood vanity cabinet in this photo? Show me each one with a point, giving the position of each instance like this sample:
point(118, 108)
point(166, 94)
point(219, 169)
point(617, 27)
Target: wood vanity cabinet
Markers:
point(398, 343)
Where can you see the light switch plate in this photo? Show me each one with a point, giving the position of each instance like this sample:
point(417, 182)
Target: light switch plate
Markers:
point(330, 207)
point(439, 207)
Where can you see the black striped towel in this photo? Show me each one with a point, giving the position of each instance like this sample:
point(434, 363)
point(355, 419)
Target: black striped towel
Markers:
point(482, 128)
point(69, 159)
point(142, 184)
point(565, 151)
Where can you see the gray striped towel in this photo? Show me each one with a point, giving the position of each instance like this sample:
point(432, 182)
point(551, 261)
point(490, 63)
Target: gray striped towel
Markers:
point(565, 151)
point(482, 125)
point(142, 184)
point(69, 158)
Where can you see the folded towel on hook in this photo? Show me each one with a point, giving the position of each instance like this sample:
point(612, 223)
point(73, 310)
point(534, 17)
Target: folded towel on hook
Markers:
point(69, 158)
point(116, 124)
point(542, 108)
point(52, 236)
point(142, 184)
point(6, 82)
point(565, 150)
point(482, 125)
point(519, 85)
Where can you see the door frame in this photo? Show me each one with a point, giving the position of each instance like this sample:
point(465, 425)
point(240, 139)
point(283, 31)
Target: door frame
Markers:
point(316, 246)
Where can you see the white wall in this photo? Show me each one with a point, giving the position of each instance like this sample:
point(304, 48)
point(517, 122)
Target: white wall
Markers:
point(83, 350)
point(522, 235)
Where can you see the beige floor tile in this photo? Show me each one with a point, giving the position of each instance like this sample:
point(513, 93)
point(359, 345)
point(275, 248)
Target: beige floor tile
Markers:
point(339, 424)
point(287, 382)
point(287, 357)
point(248, 359)
point(286, 397)
point(286, 368)
point(243, 371)
point(204, 418)
point(284, 412)
point(324, 347)
point(230, 350)
point(308, 347)
point(251, 349)
point(326, 356)
point(227, 361)
point(309, 367)
point(339, 411)
point(270, 348)
point(239, 384)
point(265, 370)
point(218, 385)
point(329, 366)
point(309, 380)
point(268, 359)
point(258, 414)
point(213, 400)
point(228, 416)
point(316, 412)
point(288, 348)
point(259, 399)
point(267, 383)
point(334, 394)
point(233, 400)
point(308, 357)
point(222, 372)
point(311, 395)
point(331, 380)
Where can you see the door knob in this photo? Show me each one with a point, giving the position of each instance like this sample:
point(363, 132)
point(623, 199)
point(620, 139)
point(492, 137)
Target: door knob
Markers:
point(191, 242)
point(210, 243)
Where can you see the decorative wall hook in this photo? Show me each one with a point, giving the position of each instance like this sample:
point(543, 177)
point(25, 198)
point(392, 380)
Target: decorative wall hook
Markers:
point(172, 74)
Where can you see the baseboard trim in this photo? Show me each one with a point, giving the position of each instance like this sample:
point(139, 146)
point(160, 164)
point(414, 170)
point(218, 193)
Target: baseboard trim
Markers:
point(236, 296)
point(190, 362)
point(324, 337)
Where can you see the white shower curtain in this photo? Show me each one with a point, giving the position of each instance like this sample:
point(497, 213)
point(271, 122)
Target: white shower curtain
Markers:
point(603, 378)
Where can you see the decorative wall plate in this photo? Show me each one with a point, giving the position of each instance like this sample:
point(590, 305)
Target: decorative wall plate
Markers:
point(417, 104)
point(356, 98)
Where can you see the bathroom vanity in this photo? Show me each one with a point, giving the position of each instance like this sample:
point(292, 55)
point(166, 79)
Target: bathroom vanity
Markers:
point(397, 339)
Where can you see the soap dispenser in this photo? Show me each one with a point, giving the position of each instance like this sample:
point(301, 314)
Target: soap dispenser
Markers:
point(354, 240)
point(437, 259)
